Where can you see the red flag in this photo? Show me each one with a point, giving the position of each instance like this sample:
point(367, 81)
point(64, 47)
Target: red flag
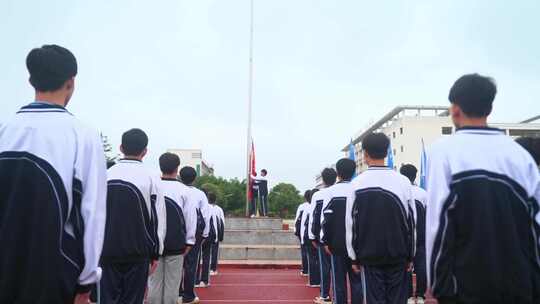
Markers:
point(252, 170)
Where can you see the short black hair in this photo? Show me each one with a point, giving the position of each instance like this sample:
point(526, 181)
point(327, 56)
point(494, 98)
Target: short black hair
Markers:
point(346, 168)
point(169, 162)
point(188, 175)
point(376, 145)
point(264, 171)
point(532, 145)
point(212, 197)
point(134, 142)
point(409, 171)
point(329, 176)
point(307, 195)
point(50, 66)
point(474, 94)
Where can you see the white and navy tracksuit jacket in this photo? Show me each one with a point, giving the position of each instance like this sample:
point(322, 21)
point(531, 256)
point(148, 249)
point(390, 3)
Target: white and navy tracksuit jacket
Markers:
point(52, 205)
point(419, 196)
point(318, 199)
point(136, 215)
point(181, 217)
point(197, 198)
point(304, 224)
point(380, 223)
point(298, 218)
point(482, 225)
point(334, 217)
point(218, 222)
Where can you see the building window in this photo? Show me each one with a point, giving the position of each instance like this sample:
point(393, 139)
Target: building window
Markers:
point(196, 155)
point(446, 130)
point(401, 148)
point(394, 151)
point(401, 131)
point(393, 134)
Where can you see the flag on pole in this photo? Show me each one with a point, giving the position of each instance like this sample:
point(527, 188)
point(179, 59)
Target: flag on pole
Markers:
point(390, 157)
point(252, 170)
point(352, 155)
point(423, 168)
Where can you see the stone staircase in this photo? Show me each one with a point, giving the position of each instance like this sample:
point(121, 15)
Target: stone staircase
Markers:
point(258, 239)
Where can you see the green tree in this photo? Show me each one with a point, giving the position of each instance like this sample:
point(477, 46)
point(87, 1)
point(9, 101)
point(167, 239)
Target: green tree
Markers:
point(231, 193)
point(284, 200)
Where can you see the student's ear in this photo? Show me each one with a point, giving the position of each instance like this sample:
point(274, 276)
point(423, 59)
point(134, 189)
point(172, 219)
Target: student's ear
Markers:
point(456, 114)
point(69, 87)
point(143, 154)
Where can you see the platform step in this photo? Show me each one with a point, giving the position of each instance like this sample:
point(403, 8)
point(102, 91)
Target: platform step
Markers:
point(259, 252)
point(240, 223)
point(260, 237)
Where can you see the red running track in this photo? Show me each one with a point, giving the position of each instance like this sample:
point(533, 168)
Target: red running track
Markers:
point(255, 285)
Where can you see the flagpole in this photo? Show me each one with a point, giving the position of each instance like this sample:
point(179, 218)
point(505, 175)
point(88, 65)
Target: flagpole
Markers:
point(250, 95)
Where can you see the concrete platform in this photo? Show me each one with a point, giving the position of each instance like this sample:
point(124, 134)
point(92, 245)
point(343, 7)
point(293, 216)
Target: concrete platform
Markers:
point(259, 252)
point(260, 237)
point(240, 223)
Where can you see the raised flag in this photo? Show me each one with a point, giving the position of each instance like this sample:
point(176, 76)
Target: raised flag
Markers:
point(423, 168)
point(390, 157)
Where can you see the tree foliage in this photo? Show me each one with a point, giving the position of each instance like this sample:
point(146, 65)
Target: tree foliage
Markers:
point(284, 200)
point(231, 193)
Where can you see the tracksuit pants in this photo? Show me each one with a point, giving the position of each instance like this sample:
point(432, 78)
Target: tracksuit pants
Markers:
point(214, 257)
point(191, 263)
point(324, 265)
point(314, 269)
point(124, 283)
point(341, 267)
point(165, 281)
point(387, 284)
point(253, 204)
point(263, 204)
point(203, 273)
point(305, 264)
point(421, 276)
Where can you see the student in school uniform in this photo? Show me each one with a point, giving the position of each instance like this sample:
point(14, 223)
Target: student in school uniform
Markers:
point(262, 182)
point(419, 196)
point(136, 224)
point(312, 256)
point(254, 195)
point(198, 199)
point(332, 236)
point(318, 200)
point(203, 275)
point(220, 219)
point(482, 220)
point(180, 234)
point(53, 179)
point(380, 227)
point(297, 231)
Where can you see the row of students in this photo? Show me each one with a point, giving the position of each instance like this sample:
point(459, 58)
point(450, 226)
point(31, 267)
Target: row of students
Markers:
point(471, 238)
point(71, 225)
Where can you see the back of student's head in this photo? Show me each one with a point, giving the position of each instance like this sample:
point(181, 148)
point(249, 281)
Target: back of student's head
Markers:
point(474, 94)
point(134, 142)
point(409, 171)
point(346, 168)
point(188, 175)
point(307, 195)
point(212, 197)
point(329, 176)
point(50, 66)
point(376, 145)
point(264, 172)
point(169, 163)
point(532, 145)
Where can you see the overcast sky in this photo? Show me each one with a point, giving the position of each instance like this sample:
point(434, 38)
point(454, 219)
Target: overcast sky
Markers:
point(323, 69)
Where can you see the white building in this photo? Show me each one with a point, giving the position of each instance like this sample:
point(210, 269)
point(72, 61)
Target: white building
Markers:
point(193, 158)
point(409, 126)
